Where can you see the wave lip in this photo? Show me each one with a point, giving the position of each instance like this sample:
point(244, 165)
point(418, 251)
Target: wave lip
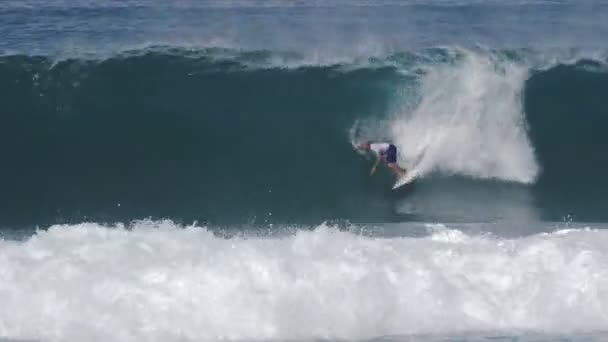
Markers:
point(158, 281)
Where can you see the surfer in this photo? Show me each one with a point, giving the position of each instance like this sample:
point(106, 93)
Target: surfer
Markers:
point(384, 152)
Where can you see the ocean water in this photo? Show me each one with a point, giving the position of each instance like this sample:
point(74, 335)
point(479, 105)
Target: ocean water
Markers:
point(183, 171)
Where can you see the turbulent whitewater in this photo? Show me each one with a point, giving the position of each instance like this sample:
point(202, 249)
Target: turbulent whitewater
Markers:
point(158, 281)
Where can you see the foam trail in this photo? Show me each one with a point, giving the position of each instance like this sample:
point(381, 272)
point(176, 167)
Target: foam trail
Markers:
point(158, 282)
point(469, 120)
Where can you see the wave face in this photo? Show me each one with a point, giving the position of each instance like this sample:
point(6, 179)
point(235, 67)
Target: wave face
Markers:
point(566, 111)
point(156, 281)
point(231, 137)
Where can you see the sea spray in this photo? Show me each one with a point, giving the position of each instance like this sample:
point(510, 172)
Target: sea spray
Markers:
point(468, 120)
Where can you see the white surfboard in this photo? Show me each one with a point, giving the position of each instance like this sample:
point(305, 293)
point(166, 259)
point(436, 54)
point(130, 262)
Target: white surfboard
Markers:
point(407, 179)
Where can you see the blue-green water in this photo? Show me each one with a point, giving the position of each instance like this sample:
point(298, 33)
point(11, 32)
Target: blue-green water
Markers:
point(197, 136)
point(184, 170)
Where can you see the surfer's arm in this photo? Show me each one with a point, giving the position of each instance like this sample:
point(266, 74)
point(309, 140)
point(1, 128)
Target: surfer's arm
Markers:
point(378, 159)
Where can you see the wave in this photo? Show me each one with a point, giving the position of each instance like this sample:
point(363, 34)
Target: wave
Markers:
point(157, 280)
point(224, 136)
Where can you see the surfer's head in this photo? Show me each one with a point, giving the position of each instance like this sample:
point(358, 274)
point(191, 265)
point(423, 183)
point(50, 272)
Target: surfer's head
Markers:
point(366, 146)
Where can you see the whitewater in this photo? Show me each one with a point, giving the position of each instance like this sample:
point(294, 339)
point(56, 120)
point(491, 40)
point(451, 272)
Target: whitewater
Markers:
point(159, 281)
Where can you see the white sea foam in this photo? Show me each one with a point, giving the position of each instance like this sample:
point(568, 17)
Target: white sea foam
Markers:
point(159, 282)
point(468, 120)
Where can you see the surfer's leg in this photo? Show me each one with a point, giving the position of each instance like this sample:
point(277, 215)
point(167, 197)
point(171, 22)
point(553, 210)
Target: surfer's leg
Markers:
point(391, 161)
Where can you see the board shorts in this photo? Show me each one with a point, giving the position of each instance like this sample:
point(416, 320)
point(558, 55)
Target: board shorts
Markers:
point(390, 156)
